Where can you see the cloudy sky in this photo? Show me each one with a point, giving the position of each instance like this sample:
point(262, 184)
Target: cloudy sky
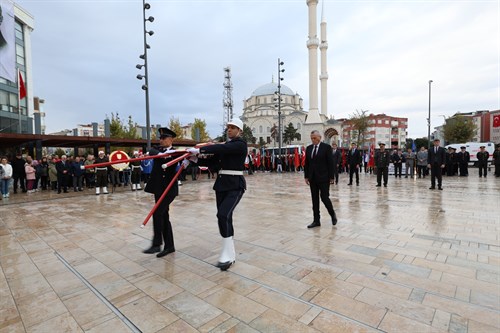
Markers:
point(381, 57)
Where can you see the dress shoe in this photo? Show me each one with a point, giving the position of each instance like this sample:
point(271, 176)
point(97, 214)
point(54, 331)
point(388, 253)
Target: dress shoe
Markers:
point(440, 188)
point(349, 183)
point(165, 252)
point(313, 225)
point(224, 265)
point(385, 185)
point(378, 185)
point(152, 249)
point(357, 184)
point(334, 221)
point(432, 188)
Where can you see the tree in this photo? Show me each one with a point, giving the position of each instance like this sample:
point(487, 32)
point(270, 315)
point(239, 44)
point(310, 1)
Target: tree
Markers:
point(199, 130)
point(247, 134)
point(421, 142)
point(360, 123)
point(130, 132)
point(459, 129)
point(119, 130)
point(175, 126)
point(290, 134)
point(262, 143)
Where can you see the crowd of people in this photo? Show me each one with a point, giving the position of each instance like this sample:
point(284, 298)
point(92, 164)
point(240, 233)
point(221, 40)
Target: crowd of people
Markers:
point(62, 174)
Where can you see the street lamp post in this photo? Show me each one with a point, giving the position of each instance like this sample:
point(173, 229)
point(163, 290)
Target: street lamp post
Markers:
point(278, 93)
point(429, 119)
point(144, 56)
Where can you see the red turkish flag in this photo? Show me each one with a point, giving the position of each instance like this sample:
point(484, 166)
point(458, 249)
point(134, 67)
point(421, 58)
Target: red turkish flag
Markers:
point(22, 88)
point(496, 121)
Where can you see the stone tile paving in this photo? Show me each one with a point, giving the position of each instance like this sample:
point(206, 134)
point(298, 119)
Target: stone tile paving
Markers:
point(401, 259)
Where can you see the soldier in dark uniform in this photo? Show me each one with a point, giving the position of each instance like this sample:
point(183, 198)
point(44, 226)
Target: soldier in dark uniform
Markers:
point(158, 182)
point(436, 160)
point(229, 186)
point(101, 174)
point(496, 160)
point(450, 162)
point(136, 173)
point(463, 162)
point(482, 161)
point(382, 160)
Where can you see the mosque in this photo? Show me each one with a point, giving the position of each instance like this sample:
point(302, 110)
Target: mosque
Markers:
point(261, 114)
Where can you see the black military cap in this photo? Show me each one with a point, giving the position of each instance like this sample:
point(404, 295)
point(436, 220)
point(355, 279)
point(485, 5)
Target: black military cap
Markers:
point(463, 147)
point(166, 133)
point(482, 147)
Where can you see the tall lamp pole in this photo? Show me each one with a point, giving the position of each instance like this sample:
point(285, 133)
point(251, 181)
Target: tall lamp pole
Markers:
point(144, 56)
point(429, 119)
point(278, 93)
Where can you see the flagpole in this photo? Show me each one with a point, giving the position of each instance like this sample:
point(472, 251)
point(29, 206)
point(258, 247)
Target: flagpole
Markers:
point(19, 99)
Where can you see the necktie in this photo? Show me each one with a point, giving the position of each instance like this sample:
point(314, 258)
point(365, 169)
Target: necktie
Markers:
point(435, 150)
point(315, 151)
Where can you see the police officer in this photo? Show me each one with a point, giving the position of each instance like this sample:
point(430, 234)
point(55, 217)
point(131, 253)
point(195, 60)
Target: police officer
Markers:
point(136, 173)
point(463, 158)
point(382, 160)
point(229, 186)
point(482, 161)
point(160, 178)
point(101, 174)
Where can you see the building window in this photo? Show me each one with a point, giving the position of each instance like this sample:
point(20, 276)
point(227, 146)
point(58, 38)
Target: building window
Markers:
point(380, 121)
point(268, 130)
point(298, 126)
point(19, 31)
point(260, 129)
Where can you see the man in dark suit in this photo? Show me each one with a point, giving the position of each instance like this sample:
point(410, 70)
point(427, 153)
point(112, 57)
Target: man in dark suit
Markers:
point(337, 160)
point(354, 160)
point(158, 182)
point(318, 174)
point(63, 171)
point(436, 160)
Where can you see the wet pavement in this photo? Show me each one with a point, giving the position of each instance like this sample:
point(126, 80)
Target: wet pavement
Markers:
point(401, 259)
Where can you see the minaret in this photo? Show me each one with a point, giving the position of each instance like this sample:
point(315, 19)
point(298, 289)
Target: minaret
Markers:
point(324, 73)
point(312, 44)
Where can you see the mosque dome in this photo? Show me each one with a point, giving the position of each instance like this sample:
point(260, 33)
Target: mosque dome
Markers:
point(271, 88)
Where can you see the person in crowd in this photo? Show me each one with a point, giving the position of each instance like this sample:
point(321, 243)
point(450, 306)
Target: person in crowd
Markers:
point(496, 160)
point(449, 168)
point(229, 186)
point(19, 172)
point(52, 173)
point(89, 172)
point(422, 162)
point(101, 174)
point(6, 177)
point(463, 158)
point(382, 161)
point(147, 166)
point(35, 164)
point(63, 172)
point(410, 163)
point(337, 160)
point(397, 159)
point(161, 176)
point(436, 161)
point(77, 172)
point(354, 161)
point(43, 171)
point(366, 160)
point(482, 161)
point(30, 172)
point(318, 174)
point(2, 174)
point(136, 173)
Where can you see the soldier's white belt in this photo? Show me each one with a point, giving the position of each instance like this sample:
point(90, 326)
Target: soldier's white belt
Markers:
point(231, 172)
point(136, 166)
point(101, 169)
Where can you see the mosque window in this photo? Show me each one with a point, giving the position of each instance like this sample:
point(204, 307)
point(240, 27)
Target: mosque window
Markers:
point(298, 126)
point(253, 130)
point(268, 129)
point(260, 129)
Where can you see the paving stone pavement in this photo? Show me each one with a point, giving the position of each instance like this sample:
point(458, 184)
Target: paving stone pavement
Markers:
point(401, 259)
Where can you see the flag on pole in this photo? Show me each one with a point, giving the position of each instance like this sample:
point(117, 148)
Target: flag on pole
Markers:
point(296, 158)
point(22, 88)
point(496, 120)
point(413, 147)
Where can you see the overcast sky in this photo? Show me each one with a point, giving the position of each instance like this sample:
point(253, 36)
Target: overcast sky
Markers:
point(381, 57)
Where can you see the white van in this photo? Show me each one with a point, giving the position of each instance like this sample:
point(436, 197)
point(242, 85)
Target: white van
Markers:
point(473, 148)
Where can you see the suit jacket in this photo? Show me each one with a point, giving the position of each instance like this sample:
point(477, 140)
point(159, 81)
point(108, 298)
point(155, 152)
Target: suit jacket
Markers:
point(160, 178)
point(61, 167)
point(463, 157)
point(320, 168)
point(353, 159)
point(228, 156)
point(439, 158)
point(337, 158)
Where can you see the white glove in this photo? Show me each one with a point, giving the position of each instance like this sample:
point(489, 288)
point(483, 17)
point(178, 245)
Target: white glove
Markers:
point(185, 163)
point(164, 166)
point(193, 151)
point(82, 167)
